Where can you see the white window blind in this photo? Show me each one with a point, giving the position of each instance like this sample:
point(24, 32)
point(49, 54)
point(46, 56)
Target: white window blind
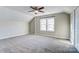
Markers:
point(47, 24)
point(50, 24)
point(43, 24)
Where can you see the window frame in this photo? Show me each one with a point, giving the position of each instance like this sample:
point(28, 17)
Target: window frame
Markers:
point(47, 24)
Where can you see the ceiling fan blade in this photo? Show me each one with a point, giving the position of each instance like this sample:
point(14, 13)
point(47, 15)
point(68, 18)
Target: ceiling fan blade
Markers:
point(41, 11)
point(41, 8)
point(34, 7)
point(31, 7)
point(31, 11)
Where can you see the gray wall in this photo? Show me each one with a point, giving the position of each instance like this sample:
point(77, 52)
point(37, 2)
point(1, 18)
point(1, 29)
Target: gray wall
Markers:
point(76, 41)
point(32, 26)
point(62, 26)
point(11, 23)
point(75, 28)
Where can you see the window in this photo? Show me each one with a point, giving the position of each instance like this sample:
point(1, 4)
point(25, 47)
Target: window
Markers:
point(47, 24)
point(43, 24)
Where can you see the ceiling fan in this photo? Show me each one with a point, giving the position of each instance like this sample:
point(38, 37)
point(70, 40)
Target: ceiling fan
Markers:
point(37, 9)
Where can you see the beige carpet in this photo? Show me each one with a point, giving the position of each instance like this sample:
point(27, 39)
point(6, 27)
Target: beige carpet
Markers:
point(35, 44)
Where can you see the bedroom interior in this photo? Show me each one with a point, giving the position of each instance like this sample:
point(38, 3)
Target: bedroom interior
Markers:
point(39, 29)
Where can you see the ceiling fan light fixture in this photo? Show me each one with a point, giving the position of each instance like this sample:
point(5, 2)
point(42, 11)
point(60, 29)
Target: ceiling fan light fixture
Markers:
point(37, 9)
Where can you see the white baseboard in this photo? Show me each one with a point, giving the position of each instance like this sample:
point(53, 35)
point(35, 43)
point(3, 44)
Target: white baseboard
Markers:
point(5, 37)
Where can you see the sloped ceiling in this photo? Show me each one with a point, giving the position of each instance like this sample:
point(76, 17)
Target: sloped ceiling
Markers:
point(47, 10)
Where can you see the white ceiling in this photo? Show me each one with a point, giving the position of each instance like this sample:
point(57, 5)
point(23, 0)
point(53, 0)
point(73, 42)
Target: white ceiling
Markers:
point(47, 10)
